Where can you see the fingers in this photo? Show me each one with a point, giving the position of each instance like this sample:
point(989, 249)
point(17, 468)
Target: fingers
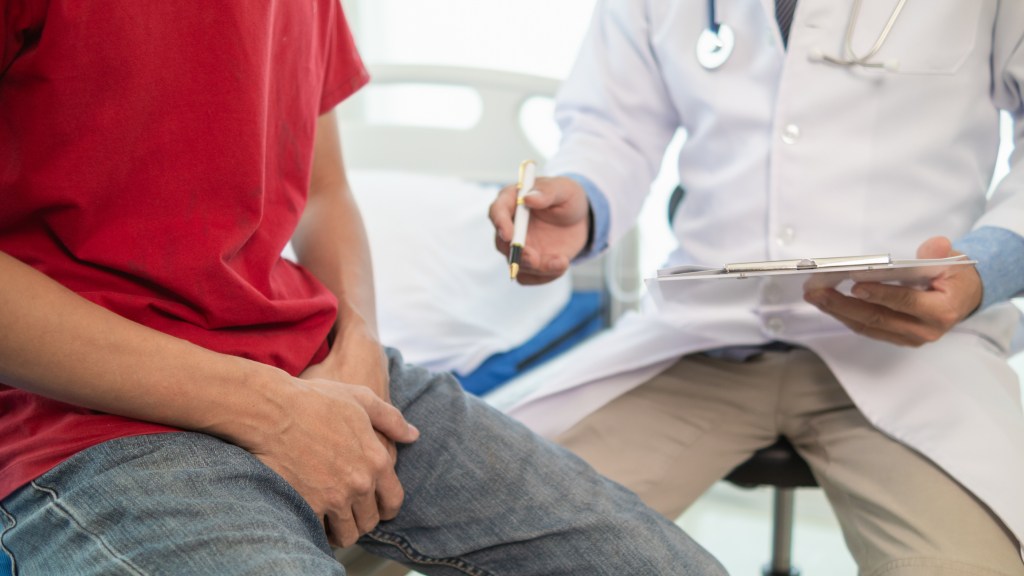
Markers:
point(936, 247)
point(377, 491)
point(346, 525)
point(538, 269)
point(898, 298)
point(340, 455)
point(388, 420)
point(875, 320)
point(558, 200)
point(931, 308)
point(389, 496)
point(372, 492)
point(389, 446)
point(390, 493)
point(558, 231)
point(367, 516)
point(501, 212)
point(904, 315)
point(341, 528)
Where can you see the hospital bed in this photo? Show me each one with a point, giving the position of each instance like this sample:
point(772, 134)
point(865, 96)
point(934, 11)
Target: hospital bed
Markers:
point(427, 148)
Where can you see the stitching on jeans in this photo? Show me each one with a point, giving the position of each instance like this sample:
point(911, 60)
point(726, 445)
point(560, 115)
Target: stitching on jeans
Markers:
point(67, 513)
point(3, 547)
point(406, 548)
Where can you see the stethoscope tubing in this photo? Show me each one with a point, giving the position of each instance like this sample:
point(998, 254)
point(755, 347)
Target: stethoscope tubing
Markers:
point(712, 16)
point(849, 58)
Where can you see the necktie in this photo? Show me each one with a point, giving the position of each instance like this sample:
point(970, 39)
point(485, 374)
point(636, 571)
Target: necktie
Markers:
point(784, 14)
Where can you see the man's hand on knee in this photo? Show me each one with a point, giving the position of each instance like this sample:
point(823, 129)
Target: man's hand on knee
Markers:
point(327, 447)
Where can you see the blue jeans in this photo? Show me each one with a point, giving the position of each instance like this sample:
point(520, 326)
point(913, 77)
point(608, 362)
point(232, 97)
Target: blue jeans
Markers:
point(484, 496)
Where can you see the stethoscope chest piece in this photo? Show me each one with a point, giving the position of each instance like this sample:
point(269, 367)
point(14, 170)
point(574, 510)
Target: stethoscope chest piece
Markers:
point(715, 47)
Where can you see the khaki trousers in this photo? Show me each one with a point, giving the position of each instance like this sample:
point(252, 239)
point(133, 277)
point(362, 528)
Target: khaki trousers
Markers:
point(671, 438)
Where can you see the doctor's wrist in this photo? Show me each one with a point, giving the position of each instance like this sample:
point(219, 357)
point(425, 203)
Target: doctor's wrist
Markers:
point(598, 218)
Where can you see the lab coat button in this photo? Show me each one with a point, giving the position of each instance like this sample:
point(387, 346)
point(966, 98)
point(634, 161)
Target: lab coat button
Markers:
point(791, 133)
point(775, 326)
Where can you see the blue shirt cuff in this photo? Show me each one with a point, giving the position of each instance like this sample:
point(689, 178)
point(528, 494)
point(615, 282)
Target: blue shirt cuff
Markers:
point(601, 215)
point(1000, 256)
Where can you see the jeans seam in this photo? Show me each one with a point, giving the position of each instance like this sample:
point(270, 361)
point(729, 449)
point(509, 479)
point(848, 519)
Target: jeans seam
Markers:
point(413, 555)
point(3, 547)
point(67, 513)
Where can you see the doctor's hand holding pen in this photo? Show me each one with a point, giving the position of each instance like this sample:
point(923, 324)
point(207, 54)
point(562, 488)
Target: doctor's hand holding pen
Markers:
point(559, 225)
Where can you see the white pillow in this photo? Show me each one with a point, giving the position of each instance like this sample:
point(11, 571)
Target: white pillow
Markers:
point(444, 297)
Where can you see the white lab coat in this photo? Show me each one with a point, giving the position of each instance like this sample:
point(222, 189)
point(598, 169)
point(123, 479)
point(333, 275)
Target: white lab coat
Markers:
point(790, 157)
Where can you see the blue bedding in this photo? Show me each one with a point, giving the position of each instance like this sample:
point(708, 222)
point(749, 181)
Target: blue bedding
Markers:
point(582, 316)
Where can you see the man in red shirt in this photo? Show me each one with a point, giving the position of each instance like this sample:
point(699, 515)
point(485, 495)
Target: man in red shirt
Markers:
point(178, 398)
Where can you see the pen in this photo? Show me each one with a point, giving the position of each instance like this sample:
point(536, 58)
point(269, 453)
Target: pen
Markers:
point(521, 219)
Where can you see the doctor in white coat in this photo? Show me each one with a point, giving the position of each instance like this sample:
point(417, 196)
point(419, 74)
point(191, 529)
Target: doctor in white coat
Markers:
point(856, 127)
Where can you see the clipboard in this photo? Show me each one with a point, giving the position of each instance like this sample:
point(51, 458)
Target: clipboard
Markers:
point(824, 272)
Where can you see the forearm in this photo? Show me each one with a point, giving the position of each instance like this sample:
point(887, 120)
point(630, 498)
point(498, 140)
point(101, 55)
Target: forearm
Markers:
point(59, 345)
point(331, 242)
point(599, 218)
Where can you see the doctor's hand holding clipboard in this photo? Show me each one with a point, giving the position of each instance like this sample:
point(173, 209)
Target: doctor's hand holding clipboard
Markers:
point(559, 227)
point(904, 315)
point(904, 302)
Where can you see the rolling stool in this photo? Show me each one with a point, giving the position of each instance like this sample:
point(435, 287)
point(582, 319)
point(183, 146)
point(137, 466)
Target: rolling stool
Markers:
point(781, 467)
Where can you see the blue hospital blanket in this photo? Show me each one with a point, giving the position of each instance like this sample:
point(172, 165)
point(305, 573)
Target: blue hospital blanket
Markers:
point(580, 318)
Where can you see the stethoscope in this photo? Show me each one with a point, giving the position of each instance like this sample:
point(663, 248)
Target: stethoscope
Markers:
point(715, 43)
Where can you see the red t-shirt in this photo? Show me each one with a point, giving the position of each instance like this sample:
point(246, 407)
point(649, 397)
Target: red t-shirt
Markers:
point(155, 158)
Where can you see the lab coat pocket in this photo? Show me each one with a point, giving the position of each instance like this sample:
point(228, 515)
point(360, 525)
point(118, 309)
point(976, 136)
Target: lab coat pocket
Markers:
point(932, 37)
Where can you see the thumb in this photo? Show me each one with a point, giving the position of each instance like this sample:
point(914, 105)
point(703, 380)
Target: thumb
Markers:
point(389, 421)
point(935, 247)
point(541, 198)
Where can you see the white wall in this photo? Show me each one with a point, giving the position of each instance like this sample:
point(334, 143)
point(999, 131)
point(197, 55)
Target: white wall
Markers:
point(530, 36)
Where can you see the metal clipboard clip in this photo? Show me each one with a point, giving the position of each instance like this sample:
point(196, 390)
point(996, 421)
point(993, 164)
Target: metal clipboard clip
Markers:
point(809, 263)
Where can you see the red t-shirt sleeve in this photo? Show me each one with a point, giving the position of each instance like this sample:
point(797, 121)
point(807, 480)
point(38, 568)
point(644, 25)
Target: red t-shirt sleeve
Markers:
point(345, 70)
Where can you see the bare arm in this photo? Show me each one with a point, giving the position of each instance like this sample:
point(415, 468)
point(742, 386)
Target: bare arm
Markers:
point(331, 242)
point(58, 344)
